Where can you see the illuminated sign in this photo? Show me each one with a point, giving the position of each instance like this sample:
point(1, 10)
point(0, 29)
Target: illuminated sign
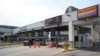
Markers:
point(54, 20)
point(88, 12)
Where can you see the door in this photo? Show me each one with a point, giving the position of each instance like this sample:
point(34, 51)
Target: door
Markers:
point(81, 40)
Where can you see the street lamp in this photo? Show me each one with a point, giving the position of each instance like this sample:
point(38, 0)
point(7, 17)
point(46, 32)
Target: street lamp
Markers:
point(8, 37)
point(26, 34)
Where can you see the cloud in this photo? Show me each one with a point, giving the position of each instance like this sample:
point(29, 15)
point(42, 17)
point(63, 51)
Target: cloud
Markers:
point(23, 12)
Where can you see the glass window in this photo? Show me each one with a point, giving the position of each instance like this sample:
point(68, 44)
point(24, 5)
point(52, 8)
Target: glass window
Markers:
point(76, 38)
point(1, 33)
point(53, 33)
point(40, 34)
point(33, 34)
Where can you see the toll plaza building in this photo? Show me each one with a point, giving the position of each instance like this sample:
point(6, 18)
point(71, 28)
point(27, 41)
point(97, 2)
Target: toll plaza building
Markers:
point(6, 33)
point(81, 27)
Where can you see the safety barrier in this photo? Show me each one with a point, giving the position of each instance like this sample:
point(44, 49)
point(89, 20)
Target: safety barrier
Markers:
point(65, 47)
point(49, 44)
point(36, 44)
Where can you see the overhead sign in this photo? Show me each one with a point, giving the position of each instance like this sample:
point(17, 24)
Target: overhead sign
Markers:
point(88, 12)
point(54, 20)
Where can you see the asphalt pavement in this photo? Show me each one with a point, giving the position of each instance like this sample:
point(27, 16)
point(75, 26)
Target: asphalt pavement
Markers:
point(44, 51)
point(26, 51)
point(82, 52)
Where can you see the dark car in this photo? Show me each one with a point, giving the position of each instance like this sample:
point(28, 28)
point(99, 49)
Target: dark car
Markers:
point(28, 42)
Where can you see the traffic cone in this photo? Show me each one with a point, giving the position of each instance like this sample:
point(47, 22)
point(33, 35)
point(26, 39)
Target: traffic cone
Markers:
point(34, 44)
point(38, 44)
point(93, 44)
point(57, 45)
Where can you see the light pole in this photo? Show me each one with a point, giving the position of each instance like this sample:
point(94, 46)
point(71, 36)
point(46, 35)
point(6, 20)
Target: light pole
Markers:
point(57, 36)
point(8, 38)
point(26, 34)
point(8, 34)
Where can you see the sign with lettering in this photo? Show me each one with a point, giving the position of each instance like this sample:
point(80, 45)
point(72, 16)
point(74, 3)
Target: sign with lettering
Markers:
point(54, 20)
point(88, 12)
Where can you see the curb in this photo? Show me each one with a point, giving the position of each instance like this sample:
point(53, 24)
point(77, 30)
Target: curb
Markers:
point(5, 46)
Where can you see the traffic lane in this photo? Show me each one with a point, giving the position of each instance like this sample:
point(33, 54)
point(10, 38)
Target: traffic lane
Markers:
point(23, 51)
point(26, 51)
point(11, 50)
point(42, 52)
point(79, 53)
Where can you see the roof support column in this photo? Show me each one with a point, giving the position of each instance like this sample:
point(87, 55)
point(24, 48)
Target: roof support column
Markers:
point(71, 34)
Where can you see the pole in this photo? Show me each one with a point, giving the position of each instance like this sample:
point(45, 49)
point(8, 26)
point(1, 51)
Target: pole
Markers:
point(26, 34)
point(57, 36)
point(71, 29)
point(8, 39)
point(79, 42)
point(71, 34)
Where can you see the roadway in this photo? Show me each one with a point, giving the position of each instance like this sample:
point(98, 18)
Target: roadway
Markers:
point(82, 52)
point(26, 51)
point(44, 51)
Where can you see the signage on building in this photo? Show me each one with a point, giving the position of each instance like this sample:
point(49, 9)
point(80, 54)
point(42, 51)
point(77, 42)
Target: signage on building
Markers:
point(54, 20)
point(88, 12)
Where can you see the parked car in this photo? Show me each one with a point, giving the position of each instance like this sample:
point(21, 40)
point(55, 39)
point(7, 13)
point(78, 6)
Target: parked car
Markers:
point(28, 42)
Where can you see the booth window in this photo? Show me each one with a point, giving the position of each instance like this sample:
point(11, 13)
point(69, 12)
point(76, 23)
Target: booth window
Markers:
point(53, 33)
point(40, 34)
point(76, 38)
point(1, 33)
point(33, 34)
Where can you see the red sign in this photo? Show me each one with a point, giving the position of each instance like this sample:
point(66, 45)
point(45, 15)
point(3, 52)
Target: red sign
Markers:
point(88, 12)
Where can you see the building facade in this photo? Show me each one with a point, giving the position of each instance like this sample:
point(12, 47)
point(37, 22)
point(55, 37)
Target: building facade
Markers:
point(6, 31)
point(81, 27)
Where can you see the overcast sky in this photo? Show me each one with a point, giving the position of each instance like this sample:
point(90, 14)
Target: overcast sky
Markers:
point(24, 12)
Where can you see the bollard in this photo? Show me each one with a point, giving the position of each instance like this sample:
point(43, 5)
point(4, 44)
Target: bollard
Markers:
point(30, 45)
point(93, 44)
point(49, 44)
point(36, 44)
point(57, 45)
point(65, 47)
